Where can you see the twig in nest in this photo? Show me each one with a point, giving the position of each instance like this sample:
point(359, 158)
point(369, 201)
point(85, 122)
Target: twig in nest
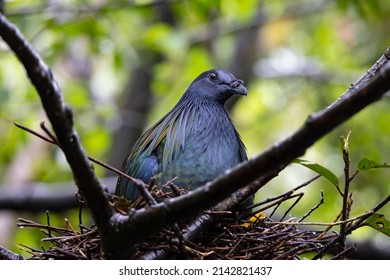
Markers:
point(299, 197)
point(230, 239)
point(342, 254)
point(69, 244)
point(284, 197)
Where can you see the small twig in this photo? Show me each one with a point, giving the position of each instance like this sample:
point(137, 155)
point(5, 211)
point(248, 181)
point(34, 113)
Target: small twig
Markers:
point(69, 226)
point(354, 175)
point(290, 254)
point(347, 180)
point(88, 253)
point(238, 243)
point(314, 208)
point(68, 254)
point(339, 190)
point(80, 215)
point(341, 255)
point(363, 217)
point(278, 203)
point(181, 239)
point(173, 187)
point(149, 198)
point(34, 133)
point(27, 249)
point(287, 193)
point(299, 197)
point(69, 237)
point(142, 187)
point(48, 223)
point(28, 223)
point(359, 222)
point(332, 224)
point(48, 132)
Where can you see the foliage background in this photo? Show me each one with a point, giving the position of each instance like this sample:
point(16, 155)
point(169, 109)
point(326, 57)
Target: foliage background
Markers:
point(300, 57)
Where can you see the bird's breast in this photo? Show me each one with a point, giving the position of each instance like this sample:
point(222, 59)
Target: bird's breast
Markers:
point(211, 146)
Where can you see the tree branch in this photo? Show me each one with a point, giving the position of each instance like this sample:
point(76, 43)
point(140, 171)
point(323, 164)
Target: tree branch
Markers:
point(61, 118)
point(6, 254)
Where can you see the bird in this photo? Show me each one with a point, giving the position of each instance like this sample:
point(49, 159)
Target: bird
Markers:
point(194, 143)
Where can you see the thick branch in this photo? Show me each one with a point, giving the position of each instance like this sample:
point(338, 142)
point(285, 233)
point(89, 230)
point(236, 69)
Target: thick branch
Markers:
point(61, 118)
point(6, 254)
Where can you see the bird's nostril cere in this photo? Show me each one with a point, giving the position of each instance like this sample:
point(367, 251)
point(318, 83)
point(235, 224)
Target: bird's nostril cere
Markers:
point(236, 83)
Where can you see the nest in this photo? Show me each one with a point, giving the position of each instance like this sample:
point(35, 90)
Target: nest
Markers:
point(233, 237)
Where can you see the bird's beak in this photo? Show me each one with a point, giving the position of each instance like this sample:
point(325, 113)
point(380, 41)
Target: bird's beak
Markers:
point(238, 87)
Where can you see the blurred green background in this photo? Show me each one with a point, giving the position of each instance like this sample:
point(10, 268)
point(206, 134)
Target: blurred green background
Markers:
point(123, 64)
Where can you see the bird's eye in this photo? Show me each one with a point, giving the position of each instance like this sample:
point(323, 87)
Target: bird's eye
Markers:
point(213, 76)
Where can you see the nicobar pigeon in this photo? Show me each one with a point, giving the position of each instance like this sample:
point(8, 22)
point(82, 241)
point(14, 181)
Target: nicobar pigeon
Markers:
point(195, 142)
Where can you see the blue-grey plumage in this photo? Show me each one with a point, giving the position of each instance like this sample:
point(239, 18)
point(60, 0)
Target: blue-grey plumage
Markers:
point(195, 142)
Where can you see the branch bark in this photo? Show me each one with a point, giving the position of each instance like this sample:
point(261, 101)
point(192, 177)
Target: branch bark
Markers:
point(6, 254)
point(61, 117)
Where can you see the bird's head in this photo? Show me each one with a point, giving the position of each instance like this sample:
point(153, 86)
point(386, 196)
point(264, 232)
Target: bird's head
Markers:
point(217, 84)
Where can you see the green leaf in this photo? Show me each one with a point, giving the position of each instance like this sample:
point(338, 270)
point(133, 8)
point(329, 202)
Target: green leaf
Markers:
point(379, 222)
point(323, 171)
point(366, 163)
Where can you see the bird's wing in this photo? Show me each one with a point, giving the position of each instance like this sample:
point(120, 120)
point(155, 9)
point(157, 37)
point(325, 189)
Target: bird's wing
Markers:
point(154, 150)
point(169, 133)
point(145, 170)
